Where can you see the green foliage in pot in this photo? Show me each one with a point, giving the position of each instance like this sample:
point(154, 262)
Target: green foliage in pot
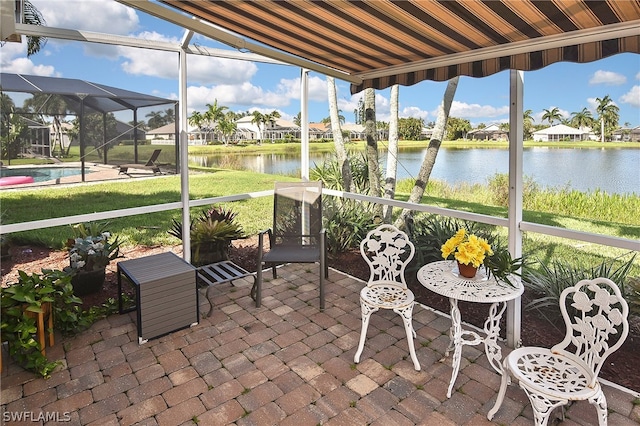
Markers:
point(91, 249)
point(211, 234)
point(21, 301)
point(502, 265)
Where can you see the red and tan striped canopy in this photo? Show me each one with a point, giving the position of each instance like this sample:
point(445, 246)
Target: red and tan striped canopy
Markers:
point(378, 43)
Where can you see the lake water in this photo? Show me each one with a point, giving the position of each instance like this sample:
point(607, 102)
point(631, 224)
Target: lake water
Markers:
point(586, 170)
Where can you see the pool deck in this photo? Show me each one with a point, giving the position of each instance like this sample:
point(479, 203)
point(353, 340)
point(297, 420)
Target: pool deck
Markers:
point(94, 172)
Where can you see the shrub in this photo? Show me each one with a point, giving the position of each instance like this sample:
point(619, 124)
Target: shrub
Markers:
point(330, 173)
point(633, 295)
point(347, 223)
point(499, 188)
point(551, 280)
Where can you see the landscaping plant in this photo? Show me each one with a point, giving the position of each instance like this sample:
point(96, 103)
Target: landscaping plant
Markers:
point(22, 301)
point(211, 234)
point(552, 279)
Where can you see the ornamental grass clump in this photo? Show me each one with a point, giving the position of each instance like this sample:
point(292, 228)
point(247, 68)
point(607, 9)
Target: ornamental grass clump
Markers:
point(468, 249)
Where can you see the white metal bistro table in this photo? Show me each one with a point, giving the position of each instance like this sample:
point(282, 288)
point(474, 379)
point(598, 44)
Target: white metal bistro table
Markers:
point(443, 278)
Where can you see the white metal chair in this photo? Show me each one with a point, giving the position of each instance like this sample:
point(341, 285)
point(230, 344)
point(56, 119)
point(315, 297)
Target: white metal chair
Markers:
point(387, 250)
point(595, 315)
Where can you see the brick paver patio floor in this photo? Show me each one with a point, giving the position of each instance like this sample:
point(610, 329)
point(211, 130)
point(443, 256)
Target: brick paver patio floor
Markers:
point(286, 363)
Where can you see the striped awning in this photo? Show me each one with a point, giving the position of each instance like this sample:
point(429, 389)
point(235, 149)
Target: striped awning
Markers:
point(379, 43)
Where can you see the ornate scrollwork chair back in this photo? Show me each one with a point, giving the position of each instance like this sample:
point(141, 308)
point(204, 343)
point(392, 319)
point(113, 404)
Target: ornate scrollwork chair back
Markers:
point(387, 251)
point(595, 316)
point(596, 321)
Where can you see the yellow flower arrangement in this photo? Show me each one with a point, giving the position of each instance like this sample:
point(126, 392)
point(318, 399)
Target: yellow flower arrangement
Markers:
point(468, 249)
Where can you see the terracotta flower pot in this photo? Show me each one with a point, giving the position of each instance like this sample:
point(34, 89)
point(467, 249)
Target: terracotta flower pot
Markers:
point(467, 271)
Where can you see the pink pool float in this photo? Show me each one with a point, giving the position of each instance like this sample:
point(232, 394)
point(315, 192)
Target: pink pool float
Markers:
point(15, 180)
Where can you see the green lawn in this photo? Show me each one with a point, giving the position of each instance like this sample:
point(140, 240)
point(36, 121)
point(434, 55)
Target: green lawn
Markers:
point(597, 213)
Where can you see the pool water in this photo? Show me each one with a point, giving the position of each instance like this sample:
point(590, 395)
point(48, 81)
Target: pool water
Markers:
point(43, 174)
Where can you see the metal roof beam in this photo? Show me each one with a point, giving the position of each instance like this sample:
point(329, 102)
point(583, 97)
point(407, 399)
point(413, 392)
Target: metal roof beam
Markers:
point(92, 37)
point(102, 38)
point(211, 31)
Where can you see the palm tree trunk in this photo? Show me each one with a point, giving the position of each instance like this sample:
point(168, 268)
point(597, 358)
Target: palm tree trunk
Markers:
point(392, 153)
point(432, 151)
point(372, 146)
point(338, 141)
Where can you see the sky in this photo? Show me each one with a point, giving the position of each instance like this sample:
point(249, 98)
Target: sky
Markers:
point(248, 86)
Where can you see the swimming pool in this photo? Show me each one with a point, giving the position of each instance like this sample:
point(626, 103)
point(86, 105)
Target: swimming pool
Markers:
point(42, 174)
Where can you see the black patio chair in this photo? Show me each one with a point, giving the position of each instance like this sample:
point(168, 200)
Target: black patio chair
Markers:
point(297, 235)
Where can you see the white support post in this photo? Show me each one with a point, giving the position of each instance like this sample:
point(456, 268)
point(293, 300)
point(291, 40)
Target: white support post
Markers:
point(516, 134)
point(304, 124)
point(184, 149)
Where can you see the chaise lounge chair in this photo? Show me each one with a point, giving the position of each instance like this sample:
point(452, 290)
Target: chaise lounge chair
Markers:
point(150, 165)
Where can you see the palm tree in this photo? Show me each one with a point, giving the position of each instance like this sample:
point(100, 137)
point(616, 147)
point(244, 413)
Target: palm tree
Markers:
point(338, 141)
point(527, 123)
point(197, 120)
point(228, 126)
point(297, 120)
point(582, 119)
point(156, 119)
point(51, 105)
point(341, 118)
point(372, 146)
point(214, 113)
point(32, 16)
point(432, 151)
point(392, 153)
point(270, 119)
point(607, 115)
point(169, 116)
point(258, 119)
point(551, 115)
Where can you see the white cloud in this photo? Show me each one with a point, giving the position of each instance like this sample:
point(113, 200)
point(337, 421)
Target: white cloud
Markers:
point(347, 106)
point(632, 97)
point(91, 15)
point(13, 59)
point(244, 94)
point(413, 112)
point(465, 110)
point(205, 70)
point(608, 78)
point(25, 66)
point(638, 76)
point(317, 89)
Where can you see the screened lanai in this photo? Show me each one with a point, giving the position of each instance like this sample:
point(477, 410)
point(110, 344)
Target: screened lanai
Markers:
point(377, 44)
point(381, 43)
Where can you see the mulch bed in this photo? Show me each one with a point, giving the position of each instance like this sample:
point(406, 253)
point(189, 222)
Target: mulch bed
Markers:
point(621, 367)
